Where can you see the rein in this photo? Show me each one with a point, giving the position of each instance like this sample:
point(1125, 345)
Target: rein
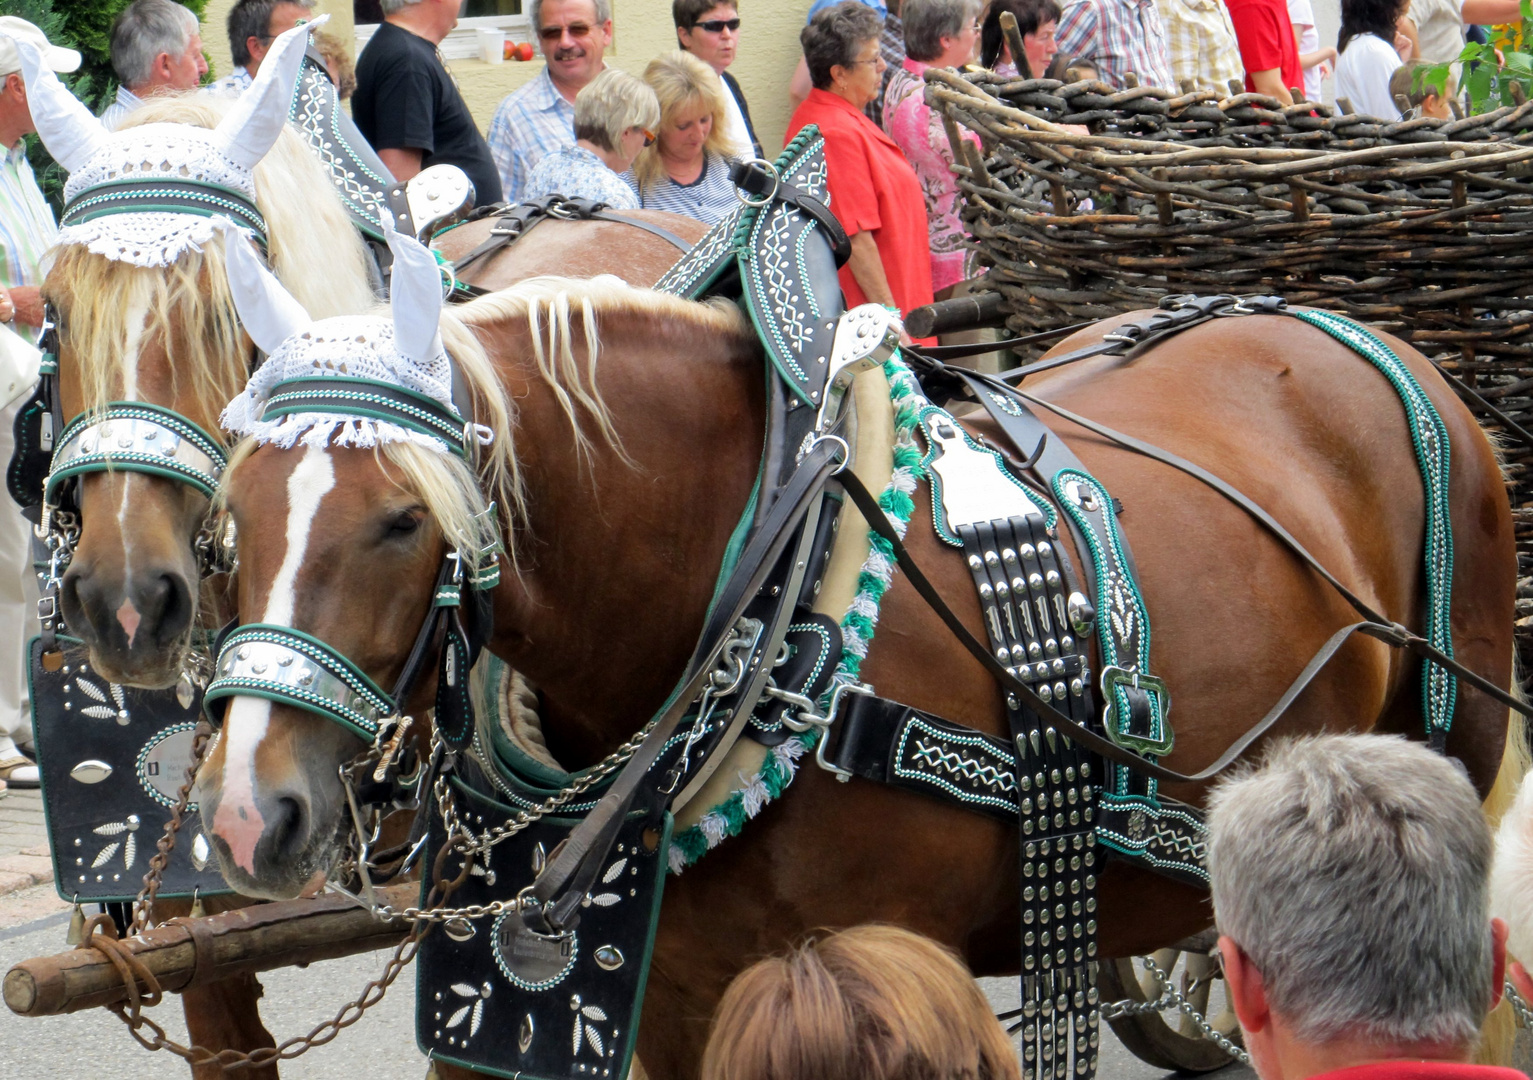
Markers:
point(1125, 339)
point(514, 221)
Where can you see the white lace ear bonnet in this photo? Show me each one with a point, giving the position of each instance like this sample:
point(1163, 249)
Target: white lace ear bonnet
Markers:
point(180, 175)
point(350, 380)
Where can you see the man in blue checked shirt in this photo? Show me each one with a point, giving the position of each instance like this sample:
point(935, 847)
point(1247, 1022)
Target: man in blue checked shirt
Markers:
point(27, 230)
point(539, 118)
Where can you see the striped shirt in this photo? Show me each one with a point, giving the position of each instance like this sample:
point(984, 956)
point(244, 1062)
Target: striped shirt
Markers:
point(1201, 42)
point(532, 121)
point(114, 114)
point(27, 228)
point(1118, 37)
point(708, 198)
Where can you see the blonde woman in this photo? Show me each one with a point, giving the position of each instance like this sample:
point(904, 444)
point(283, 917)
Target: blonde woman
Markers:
point(686, 171)
point(615, 118)
point(871, 1003)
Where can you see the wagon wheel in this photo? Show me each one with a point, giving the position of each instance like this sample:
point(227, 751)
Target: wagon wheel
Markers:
point(1170, 1039)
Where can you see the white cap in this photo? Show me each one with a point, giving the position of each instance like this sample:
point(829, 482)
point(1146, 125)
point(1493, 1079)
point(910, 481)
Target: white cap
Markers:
point(54, 56)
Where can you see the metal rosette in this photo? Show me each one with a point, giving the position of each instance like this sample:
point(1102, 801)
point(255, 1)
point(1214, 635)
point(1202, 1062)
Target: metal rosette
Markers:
point(134, 436)
point(293, 668)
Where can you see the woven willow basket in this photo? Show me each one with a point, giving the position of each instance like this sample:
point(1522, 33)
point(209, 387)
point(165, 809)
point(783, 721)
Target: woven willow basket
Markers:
point(1422, 227)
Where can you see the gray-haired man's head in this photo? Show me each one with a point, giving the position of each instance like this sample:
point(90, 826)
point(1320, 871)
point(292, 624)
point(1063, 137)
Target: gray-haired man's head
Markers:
point(157, 44)
point(1351, 870)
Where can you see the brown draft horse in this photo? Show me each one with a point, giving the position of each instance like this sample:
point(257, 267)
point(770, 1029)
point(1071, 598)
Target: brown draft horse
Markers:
point(173, 333)
point(169, 336)
point(618, 537)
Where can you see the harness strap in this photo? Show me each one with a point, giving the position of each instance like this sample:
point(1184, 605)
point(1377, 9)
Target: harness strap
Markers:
point(1392, 634)
point(766, 183)
point(663, 233)
point(572, 867)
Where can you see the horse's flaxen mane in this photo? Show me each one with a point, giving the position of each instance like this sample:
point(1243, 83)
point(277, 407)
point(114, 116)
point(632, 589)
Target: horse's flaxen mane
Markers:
point(112, 305)
point(547, 304)
point(454, 495)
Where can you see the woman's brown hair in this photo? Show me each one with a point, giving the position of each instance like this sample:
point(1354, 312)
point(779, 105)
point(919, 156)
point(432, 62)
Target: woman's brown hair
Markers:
point(869, 1003)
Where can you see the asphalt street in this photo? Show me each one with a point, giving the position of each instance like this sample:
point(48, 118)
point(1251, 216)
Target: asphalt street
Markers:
point(381, 1046)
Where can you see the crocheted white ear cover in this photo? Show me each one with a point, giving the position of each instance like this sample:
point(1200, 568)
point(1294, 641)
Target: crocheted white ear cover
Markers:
point(415, 291)
point(223, 156)
point(67, 128)
point(251, 127)
point(354, 346)
point(268, 311)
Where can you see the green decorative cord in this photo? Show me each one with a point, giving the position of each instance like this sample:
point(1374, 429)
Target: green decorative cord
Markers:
point(728, 817)
point(1429, 437)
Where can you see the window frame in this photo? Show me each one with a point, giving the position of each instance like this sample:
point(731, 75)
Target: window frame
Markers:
point(462, 43)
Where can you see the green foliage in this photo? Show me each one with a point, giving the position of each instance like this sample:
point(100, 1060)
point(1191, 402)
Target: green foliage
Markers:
point(1491, 71)
point(85, 25)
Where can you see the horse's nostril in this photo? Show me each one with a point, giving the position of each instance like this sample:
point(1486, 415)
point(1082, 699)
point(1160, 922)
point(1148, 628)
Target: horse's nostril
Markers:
point(170, 598)
point(287, 828)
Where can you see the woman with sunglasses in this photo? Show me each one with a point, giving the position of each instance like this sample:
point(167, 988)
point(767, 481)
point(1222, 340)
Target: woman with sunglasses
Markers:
point(710, 31)
point(615, 118)
point(686, 171)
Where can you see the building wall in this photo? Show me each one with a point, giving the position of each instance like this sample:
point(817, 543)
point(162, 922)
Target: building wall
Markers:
point(642, 29)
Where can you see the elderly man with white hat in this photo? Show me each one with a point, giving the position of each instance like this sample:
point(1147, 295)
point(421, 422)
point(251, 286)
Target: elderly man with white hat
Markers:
point(27, 229)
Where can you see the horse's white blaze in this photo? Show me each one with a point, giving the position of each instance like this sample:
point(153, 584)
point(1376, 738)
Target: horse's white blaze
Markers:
point(137, 318)
point(238, 821)
point(306, 486)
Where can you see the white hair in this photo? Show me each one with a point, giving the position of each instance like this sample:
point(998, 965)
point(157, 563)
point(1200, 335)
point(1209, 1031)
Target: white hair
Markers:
point(144, 30)
point(1352, 870)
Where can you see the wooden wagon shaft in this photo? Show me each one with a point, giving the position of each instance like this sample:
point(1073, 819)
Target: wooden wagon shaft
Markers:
point(187, 952)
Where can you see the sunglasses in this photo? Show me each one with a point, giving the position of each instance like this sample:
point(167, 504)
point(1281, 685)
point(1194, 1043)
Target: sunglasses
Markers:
point(718, 26)
point(554, 33)
point(649, 137)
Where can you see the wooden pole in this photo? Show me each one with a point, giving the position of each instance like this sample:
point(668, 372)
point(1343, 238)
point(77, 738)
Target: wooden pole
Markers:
point(191, 952)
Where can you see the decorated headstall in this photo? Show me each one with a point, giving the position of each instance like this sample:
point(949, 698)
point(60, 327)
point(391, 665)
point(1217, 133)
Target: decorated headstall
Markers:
point(360, 381)
point(144, 196)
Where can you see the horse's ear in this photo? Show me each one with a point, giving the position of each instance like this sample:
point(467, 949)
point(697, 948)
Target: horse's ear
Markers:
point(415, 295)
point(251, 127)
point(268, 312)
point(67, 128)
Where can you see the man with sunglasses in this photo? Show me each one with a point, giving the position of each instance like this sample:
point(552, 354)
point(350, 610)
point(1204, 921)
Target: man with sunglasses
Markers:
point(408, 106)
point(539, 118)
point(710, 31)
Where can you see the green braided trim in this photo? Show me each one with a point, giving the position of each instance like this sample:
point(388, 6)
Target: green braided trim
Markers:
point(728, 817)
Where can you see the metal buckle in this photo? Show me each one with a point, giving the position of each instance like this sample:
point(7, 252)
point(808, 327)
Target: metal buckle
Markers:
point(776, 185)
point(1112, 678)
point(832, 710)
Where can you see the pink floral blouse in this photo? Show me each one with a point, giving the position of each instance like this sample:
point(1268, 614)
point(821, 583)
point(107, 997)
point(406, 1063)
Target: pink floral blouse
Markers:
point(918, 131)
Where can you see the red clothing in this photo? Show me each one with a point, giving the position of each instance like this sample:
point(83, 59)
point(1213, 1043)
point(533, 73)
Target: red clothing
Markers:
point(872, 188)
point(1265, 35)
point(1421, 1070)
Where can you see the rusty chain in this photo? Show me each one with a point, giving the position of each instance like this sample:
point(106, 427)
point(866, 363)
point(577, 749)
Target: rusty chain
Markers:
point(101, 936)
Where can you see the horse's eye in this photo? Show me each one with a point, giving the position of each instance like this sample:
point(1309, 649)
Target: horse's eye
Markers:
point(402, 523)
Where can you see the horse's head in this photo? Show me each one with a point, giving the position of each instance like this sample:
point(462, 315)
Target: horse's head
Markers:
point(149, 347)
point(353, 486)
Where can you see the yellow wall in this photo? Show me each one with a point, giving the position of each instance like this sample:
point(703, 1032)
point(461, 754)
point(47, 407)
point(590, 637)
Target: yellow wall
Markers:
point(642, 29)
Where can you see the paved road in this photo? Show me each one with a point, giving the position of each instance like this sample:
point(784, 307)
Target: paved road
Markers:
point(381, 1046)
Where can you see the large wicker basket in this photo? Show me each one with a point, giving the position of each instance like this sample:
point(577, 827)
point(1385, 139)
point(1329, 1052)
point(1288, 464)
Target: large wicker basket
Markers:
point(1422, 227)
